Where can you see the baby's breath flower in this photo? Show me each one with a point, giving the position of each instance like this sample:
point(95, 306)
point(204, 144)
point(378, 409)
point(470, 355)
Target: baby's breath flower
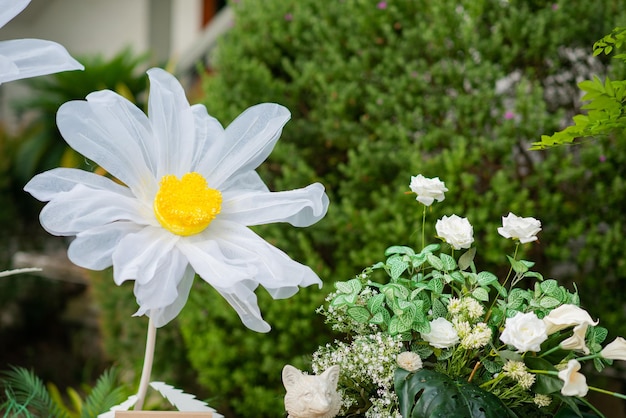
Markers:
point(542, 400)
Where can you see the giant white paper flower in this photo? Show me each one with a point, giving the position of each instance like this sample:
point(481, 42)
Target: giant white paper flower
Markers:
point(23, 58)
point(190, 191)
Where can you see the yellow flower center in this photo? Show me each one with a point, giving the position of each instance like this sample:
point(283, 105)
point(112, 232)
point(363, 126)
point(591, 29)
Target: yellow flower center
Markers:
point(186, 206)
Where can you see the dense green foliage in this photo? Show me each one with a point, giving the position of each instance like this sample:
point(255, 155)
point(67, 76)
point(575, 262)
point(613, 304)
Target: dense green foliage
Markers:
point(380, 91)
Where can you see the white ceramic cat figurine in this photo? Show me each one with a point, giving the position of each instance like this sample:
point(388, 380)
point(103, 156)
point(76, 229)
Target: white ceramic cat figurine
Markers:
point(310, 396)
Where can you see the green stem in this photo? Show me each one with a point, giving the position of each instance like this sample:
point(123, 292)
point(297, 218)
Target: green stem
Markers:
point(552, 350)
point(424, 228)
point(607, 392)
point(589, 357)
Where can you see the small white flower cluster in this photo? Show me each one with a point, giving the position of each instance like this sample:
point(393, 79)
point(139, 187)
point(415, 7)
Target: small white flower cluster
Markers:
point(517, 371)
point(474, 337)
point(542, 400)
point(369, 361)
point(465, 312)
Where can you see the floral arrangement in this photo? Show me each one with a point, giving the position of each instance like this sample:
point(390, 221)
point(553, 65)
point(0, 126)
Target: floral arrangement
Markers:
point(437, 337)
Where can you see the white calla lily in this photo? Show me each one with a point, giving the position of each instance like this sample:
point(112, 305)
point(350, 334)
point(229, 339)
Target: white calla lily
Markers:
point(565, 316)
point(24, 58)
point(189, 194)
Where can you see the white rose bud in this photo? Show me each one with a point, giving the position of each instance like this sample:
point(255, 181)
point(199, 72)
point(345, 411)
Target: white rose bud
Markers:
point(525, 331)
point(456, 231)
point(517, 228)
point(409, 361)
point(566, 316)
point(615, 350)
point(574, 383)
point(428, 190)
point(442, 334)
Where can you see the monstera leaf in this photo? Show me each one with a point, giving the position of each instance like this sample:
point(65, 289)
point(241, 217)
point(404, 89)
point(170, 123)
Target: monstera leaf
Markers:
point(429, 394)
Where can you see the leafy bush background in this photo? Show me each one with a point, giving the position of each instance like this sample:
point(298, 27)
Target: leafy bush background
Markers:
point(380, 91)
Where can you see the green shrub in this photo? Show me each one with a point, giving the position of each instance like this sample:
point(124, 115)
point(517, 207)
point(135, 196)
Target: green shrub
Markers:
point(380, 91)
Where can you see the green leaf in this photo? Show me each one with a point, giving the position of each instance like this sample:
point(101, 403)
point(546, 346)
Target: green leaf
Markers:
point(351, 286)
point(399, 249)
point(375, 303)
point(381, 317)
point(422, 326)
point(516, 298)
point(359, 314)
point(339, 300)
point(429, 394)
point(599, 334)
point(481, 294)
point(517, 265)
point(431, 248)
point(436, 285)
point(439, 309)
point(549, 286)
point(397, 265)
point(394, 326)
point(549, 302)
point(448, 262)
point(546, 383)
point(435, 261)
point(467, 258)
point(485, 278)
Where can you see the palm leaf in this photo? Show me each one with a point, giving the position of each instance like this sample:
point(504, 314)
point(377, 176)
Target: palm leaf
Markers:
point(105, 394)
point(27, 394)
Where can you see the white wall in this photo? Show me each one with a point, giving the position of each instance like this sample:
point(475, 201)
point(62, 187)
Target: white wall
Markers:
point(101, 27)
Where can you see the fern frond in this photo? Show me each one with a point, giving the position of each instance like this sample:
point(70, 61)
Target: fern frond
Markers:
point(27, 392)
point(105, 394)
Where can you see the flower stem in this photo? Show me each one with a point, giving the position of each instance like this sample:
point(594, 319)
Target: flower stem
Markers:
point(593, 408)
point(423, 228)
point(147, 366)
point(607, 392)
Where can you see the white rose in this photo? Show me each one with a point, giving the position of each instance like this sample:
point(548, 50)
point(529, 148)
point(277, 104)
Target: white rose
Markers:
point(525, 331)
point(428, 190)
point(615, 350)
point(456, 231)
point(577, 341)
point(566, 316)
point(522, 229)
point(409, 361)
point(574, 383)
point(442, 334)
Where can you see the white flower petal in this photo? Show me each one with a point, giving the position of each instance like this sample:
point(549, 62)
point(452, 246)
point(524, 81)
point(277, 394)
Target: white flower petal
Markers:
point(211, 264)
point(34, 57)
point(242, 298)
point(11, 8)
point(249, 140)
point(47, 185)
point(93, 248)
point(276, 272)
point(172, 123)
point(114, 133)
point(138, 256)
point(82, 208)
point(247, 180)
point(300, 207)
point(161, 316)
point(210, 137)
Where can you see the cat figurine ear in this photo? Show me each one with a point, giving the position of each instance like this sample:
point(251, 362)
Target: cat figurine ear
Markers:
point(310, 396)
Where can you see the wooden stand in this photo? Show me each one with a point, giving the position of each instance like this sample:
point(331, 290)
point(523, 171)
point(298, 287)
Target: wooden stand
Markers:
point(162, 414)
